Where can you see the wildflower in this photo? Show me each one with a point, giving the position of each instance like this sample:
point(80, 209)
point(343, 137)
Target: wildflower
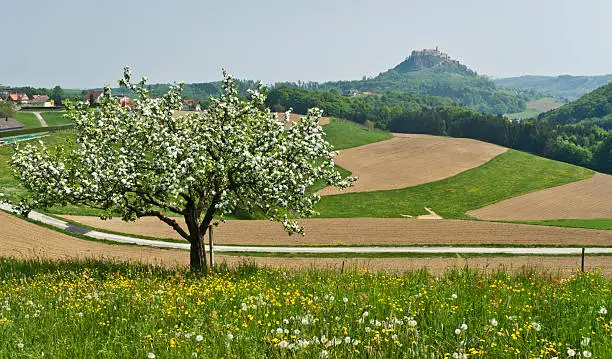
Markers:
point(365, 314)
point(347, 340)
point(199, 338)
point(304, 321)
point(603, 311)
point(457, 331)
point(345, 300)
point(151, 356)
point(355, 342)
point(80, 314)
point(324, 354)
point(230, 336)
point(279, 330)
point(194, 355)
point(571, 352)
point(368, 329)
point(20, 346)
point(536, 326)
point(586, 354)
point(283, 344)
point(394, 337)
point(463, 326)
point(455, 355)
point(285, 321)
point(493, 322)
point(331, 298)
point(454, 296)
point(585, 341)
point(296, 332)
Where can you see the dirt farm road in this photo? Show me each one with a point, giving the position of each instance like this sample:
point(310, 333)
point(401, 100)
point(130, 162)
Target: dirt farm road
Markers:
point(314, 249)
point(25, 240)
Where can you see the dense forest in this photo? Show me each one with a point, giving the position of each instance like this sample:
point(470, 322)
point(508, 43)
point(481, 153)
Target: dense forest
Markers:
point(581, 144)
point(565, 86)
point(378, 109)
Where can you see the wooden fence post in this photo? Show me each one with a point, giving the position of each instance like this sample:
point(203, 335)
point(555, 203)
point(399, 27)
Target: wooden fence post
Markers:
point(582, 264)
point(211, 248)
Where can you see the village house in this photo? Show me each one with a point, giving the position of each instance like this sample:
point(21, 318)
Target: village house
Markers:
point(93, 96)
point(17, 98)
point(41, 100)
point(191, 105)
point(125, 101)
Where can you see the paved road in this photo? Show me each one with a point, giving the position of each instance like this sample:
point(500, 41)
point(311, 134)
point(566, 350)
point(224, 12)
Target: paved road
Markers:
point(40, 119)
point(289, 249)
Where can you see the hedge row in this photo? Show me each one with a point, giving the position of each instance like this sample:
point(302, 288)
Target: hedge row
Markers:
point(28, 131)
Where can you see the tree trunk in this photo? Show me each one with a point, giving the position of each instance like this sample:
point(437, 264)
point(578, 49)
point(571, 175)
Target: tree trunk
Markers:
point(197, 255)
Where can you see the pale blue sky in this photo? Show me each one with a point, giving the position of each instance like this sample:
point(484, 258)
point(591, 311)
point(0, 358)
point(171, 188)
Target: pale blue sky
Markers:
point(79, 44)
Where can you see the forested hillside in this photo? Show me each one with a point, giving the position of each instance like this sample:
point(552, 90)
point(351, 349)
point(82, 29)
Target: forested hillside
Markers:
point(569, 87)
point(592, 108)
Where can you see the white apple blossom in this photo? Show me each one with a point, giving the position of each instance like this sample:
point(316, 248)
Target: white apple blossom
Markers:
point(147, 160)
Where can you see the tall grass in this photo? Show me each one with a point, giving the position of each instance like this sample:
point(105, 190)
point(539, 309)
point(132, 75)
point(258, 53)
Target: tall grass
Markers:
point(105, 310)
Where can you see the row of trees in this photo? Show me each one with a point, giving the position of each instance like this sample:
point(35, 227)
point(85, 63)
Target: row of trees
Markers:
point(584, 144)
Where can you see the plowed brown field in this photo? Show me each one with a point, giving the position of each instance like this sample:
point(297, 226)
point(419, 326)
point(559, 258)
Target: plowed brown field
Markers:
point(589, 198)
point(369, 231)
point(409, 160)
point(21, 239)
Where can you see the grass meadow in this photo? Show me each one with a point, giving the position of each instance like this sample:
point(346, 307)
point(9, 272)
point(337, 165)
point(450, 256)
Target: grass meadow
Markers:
point(55, 118)
point(28, 119)
point(105, 310)
point(345, 134)
point(604, 223)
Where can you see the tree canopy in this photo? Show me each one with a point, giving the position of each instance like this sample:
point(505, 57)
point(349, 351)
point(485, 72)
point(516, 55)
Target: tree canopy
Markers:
point(145, 160)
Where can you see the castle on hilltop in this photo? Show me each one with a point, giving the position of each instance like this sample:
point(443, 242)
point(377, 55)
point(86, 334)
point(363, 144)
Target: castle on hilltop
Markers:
point(427, 59)
point(431, 52)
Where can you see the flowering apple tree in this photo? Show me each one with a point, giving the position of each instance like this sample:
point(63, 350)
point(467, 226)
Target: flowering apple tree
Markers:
point(149, 160)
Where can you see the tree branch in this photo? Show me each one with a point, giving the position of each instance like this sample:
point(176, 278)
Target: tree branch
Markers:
point(150, 213)
point(169, 221)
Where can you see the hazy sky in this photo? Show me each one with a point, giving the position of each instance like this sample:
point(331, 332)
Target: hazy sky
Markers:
point(80, 44)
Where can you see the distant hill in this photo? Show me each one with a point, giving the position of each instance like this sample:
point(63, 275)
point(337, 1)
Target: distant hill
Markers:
point(570, 87)
point(592, 108)
point(432, 72)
